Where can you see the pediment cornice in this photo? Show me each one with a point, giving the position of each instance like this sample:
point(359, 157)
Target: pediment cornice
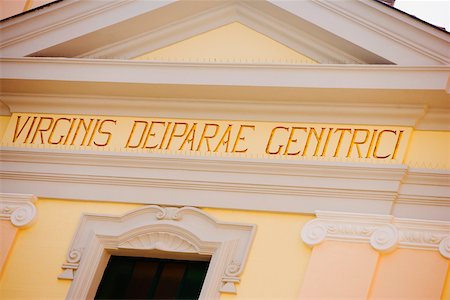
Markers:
point(327, 31)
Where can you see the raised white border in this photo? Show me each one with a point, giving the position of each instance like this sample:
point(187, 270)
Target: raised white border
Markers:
point(384, 232)
point(18, 208)
point(183, 230)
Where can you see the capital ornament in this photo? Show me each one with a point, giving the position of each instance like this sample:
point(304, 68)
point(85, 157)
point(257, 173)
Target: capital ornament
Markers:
point(444, 247)
point(385, 238)
point(18, 208)
point(383, 232)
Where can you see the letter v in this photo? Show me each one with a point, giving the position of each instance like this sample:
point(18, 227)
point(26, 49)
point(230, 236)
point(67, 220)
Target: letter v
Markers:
point(16, 135)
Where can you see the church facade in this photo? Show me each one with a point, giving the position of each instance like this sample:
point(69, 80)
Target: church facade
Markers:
point(224, 150)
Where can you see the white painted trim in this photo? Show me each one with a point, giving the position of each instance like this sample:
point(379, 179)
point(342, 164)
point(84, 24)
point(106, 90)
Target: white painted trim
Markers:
point(270, 111)
point(384, 232)
point(308, 76)
point(177, 230)
point(247, 14)
point(368, 25)
point(371, 28)
point(66, 22)
point(222, 182)
point(434, 119)
point(18, 208)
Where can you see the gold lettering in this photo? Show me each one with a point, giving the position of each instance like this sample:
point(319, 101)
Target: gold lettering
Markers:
point(189, 137)
point(271, 138)
point(70, 131)
point(239, 138)
point(30, 130)
point(290, 139)
point(94, 131)
point(343, 131)
point(41, 130)
point(325, 147)
point(108, 133)
point(53, 131)
point(205, 137)
point(149, 134)
point(16, 135)
point(318, 139)
point(378, 143)
point(225, 139)
point(356, 144)
point(172, 134)
point(371, 143)
point(400, 134)
point(164, 136)
point(132, 133)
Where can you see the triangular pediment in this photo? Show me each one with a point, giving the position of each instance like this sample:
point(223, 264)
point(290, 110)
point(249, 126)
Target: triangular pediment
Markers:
point(232, 43)
point(330, 32)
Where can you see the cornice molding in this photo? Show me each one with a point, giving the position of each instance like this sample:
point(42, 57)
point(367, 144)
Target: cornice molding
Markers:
point(18, 208)
point(384, 232)
point(246, 14)
point(148, 72)
point(371, 26)
point(358, 14)
point(69, 20)
point(355, 28)
point(221, 182)
point(325, 112)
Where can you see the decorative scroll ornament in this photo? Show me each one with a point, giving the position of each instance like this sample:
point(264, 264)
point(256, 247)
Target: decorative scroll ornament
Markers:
point(444, 247)
point(384, 233)
point(170, 229)
point(314, 233)
point(231, 278)
point(384, 239)
point(169, 213)
point(18, 208)
point(73, 261)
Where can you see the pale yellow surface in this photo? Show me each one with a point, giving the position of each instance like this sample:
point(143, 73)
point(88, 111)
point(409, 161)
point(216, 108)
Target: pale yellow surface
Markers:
point(4, 120)
point(35, 262)
point(429, 149)
point(233, 43)
point(278, 258)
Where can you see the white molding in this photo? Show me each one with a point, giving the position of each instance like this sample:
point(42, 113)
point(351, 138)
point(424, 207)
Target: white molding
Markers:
point(362, 29)
point(222, 182)
point(296, 38)
point(424, 194)
point(24, 36)
point(434, 119)
point(371, 27)
point(18, 208)
point(384, 232)
point(238, 182)
point(180, 230)
point(261, 75)
point(305, 112)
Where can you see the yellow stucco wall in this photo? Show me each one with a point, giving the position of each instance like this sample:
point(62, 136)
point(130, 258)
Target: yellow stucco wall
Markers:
point(4, 120)
point(429, 149)
point(35, 261)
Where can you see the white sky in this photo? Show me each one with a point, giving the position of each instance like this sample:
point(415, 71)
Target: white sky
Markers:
point(436, 12)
